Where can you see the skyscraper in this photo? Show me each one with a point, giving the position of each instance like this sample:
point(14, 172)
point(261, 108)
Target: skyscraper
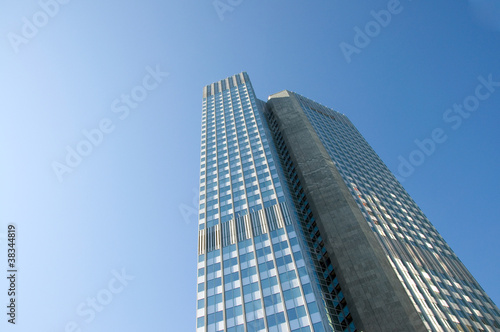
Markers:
point(302, 227)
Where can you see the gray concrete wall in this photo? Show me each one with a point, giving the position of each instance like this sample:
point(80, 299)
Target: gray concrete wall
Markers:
point(374, 294)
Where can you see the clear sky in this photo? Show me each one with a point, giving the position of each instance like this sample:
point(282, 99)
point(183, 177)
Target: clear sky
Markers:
point(119, 226)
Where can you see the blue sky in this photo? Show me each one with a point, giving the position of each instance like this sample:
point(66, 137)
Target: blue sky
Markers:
point(125, 208)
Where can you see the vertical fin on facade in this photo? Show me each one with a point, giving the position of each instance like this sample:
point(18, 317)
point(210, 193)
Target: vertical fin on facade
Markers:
point(263, 221)
point(201, 242)
point(232, 226)
point(240, 227)
point(217, 236)
point(226, 234)
point(271, 219)
point(255, 220)
point(213, 238)
point(279, 217)
point(248, 228)
point(210, 239)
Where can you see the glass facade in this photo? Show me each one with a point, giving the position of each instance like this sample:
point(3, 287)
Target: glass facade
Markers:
point(262, 265)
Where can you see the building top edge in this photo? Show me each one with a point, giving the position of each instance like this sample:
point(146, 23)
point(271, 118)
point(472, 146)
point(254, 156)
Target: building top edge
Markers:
point(225, 84)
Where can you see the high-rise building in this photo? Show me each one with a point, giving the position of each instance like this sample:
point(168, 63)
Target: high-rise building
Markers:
point(302, 227)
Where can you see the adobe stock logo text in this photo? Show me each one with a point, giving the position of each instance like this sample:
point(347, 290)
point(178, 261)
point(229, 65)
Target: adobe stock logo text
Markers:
point(363, 37)
point(31, 27)
point(453, 116)
point(92, 138)
point(89, 309)
point(223, 6)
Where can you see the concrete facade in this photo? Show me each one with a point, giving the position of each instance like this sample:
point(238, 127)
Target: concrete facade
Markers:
point(376, 298)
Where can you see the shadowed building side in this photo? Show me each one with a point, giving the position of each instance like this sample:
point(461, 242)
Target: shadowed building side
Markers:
point(377, 300)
